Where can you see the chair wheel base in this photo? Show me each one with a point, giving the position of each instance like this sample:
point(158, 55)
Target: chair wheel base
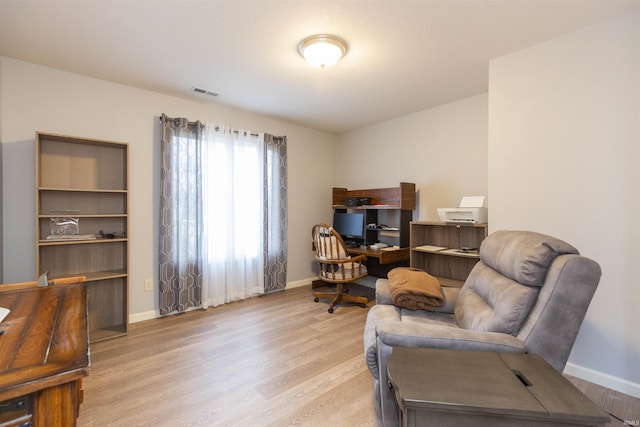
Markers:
point(338, 297)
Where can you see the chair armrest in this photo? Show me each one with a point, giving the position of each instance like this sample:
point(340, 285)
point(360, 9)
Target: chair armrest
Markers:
point(407, 334)
point(354, 259)
point(383, 292)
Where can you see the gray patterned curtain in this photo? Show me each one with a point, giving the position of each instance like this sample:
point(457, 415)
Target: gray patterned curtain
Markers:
point(181, 214)
point(275, 213)
point(180, 254)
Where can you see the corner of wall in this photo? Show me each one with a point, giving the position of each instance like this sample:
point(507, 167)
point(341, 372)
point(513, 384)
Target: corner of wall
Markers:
point(1, 184)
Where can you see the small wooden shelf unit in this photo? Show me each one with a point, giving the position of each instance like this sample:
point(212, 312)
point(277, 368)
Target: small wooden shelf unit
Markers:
point(86, 179)
point(447, 251)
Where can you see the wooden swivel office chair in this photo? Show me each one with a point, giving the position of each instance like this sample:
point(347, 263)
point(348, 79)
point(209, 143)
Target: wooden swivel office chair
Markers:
point(335, 265)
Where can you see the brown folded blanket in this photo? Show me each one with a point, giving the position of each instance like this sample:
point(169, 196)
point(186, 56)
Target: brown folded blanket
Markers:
point(415, 289)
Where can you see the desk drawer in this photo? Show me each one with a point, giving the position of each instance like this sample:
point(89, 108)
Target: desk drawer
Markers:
point(16, 412)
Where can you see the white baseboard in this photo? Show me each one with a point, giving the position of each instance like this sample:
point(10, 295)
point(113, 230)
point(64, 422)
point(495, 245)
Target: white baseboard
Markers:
point(299, 283)
point(604, 380)
point(147, 315)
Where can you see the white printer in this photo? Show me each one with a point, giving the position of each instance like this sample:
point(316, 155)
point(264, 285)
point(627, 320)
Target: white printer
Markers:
point(470, 211)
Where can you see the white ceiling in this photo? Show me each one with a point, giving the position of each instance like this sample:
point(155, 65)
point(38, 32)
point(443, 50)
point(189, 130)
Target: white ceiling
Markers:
point(404, 55)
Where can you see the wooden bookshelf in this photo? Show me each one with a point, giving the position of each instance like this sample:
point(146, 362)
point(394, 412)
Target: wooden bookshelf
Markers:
point(447, 251)
point(86, 180)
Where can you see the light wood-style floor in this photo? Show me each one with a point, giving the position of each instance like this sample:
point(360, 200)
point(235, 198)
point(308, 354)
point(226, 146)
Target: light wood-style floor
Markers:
point(276, 360)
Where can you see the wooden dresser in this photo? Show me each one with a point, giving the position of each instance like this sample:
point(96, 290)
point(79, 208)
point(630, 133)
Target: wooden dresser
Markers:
point(44, 354)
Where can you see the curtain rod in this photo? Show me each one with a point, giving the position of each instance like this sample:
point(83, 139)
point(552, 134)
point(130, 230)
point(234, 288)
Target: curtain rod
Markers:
point(237, 131)
point(216, 128)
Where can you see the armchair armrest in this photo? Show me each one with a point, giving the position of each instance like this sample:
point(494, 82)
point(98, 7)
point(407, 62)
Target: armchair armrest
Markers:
point(407, 334)
point(390, 332)
point(383, 292)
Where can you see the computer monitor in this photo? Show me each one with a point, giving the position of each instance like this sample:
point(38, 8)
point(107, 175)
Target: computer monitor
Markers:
point(349, 225)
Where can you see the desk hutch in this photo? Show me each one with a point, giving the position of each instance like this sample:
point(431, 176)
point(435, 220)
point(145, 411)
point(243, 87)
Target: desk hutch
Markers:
point(395, 205)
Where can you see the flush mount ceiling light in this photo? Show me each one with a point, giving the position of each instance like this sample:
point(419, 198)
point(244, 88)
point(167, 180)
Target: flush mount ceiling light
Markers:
point(322, 50)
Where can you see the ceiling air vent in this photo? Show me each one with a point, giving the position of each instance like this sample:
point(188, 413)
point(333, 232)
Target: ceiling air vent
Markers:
point(203, 91)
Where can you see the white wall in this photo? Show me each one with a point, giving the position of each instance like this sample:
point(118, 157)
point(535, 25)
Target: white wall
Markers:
point(1, 184)
point(443, 150)
point(564, 145)
point(35, 98)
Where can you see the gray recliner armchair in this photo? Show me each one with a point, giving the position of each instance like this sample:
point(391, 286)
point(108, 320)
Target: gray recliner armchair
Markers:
point(529, 293)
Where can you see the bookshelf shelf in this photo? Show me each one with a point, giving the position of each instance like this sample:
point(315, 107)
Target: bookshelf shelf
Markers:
point(447, 251)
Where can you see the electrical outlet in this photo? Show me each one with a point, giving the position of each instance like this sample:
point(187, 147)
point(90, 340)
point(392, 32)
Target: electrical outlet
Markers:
point(148, 285)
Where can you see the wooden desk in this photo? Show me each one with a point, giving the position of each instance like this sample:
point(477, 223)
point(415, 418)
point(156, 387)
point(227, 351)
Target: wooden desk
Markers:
point(380, 262)
point(384, 256)
point(436, 387)
point(44, 354)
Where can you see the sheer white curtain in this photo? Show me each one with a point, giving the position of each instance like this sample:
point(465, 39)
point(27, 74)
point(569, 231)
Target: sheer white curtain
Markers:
point(232, 186)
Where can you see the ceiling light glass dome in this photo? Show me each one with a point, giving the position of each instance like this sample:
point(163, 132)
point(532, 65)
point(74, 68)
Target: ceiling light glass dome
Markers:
point(322, 50)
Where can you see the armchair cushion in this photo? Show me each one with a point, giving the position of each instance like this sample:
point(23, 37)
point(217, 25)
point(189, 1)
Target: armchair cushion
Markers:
point(389, 314)
point(502, 288)
point(396, 326)
point(492, 302)
point(523, 257)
